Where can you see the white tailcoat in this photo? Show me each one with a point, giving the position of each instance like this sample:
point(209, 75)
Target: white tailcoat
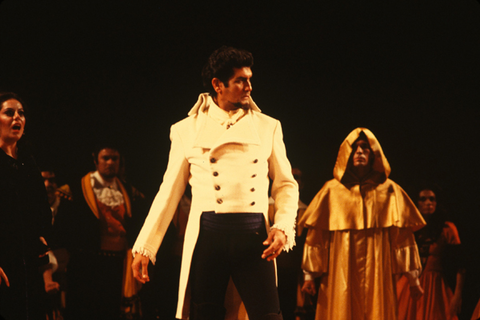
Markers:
point(228, 171)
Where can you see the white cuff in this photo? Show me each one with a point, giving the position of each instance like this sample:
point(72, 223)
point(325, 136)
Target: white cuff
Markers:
point(289, 234)
point(144, 252)
point(307, 276)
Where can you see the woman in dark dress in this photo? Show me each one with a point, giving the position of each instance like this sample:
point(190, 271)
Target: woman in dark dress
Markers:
point(25, 219)
point(443, 273)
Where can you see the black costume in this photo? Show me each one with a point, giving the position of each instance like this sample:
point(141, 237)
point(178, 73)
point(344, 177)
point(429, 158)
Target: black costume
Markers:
point(25, 216)
point(94, 276)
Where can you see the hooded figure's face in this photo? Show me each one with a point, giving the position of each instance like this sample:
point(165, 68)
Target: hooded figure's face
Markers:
point(362, 154)
point(361, 158)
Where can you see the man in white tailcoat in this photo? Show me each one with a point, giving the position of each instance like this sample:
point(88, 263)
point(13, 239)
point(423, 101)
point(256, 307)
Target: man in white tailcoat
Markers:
point(228, 151)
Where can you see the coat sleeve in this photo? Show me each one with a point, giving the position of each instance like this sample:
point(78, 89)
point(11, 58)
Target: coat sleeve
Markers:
point(166, 201)
point(404, 251)
point(284, 188)
point(316, 251)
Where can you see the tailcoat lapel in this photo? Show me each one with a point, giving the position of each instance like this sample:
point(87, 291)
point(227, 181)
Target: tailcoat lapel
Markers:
point(208, 133)
point(212, 135)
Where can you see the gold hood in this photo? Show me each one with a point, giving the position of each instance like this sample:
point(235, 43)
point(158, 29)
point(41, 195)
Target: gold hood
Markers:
point(381, 167)
point(346, 202)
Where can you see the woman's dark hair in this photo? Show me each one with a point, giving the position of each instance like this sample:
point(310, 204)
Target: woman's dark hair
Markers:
point(220, 65)
point(452, 256)
point(5, 96)
point(436, 221)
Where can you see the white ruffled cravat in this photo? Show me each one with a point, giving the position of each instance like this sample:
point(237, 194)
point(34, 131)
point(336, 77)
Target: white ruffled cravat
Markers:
point(106, 193)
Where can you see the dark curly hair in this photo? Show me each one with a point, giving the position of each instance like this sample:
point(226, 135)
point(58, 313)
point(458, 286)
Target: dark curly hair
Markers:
point(437, 220)
point(5, 96)
point(220, 65)
point(105, 144)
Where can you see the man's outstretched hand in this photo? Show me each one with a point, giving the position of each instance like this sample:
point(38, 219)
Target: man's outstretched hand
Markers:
point(276, 241)
point(140, 268)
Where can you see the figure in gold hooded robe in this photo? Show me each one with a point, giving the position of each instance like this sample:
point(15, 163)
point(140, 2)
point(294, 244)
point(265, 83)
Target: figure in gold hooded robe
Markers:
point(360, 235)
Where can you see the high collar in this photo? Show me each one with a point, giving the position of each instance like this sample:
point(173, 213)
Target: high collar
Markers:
point(203, 103)
point(222, 116)
point(211, 134)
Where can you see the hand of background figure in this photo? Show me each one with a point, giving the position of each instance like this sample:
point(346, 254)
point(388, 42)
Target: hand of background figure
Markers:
point(44, 242)
point(140, 268)
point(52, 287)
point(455, 305)
point(309, 287)
point(4, 277)
point(276, 241)
point(416, 292)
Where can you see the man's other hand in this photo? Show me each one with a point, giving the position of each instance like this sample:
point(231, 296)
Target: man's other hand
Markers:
point(140, 268)
point(276, 241)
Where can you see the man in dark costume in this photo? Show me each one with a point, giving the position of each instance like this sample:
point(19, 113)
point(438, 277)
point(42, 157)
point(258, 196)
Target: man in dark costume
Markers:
point(98, 228)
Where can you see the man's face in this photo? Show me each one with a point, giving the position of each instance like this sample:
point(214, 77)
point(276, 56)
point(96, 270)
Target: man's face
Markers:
point(50, 185)
point(237, 94)
point(427, 202)
point(362, 154)
point(108, 163)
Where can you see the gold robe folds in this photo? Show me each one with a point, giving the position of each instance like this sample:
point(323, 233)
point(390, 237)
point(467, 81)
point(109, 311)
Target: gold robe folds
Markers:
point(360, 234)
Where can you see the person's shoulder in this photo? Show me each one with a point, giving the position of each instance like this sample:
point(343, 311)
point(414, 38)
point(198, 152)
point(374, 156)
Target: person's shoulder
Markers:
point(390, 185)
point(186, 120)
point(264, 122)
point(263, 117)
point(392, 188)
point(137, 194)
point(72, 191)
point(450, 227)
point(450, 232)
point(133, 193)
point(185, 123)
point(331, 185)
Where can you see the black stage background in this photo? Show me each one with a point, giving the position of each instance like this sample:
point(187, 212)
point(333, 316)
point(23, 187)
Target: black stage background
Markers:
point(407, 70)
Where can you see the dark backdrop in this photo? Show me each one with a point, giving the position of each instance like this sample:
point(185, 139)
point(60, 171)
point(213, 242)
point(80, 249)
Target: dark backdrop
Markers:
point(407, 70)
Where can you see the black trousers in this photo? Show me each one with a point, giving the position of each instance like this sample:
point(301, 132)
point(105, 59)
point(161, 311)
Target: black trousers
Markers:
point(230, 245)
point(94, 286)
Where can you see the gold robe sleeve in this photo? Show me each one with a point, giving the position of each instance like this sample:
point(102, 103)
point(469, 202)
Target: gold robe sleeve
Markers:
point(316, 250)
point(405, 254)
